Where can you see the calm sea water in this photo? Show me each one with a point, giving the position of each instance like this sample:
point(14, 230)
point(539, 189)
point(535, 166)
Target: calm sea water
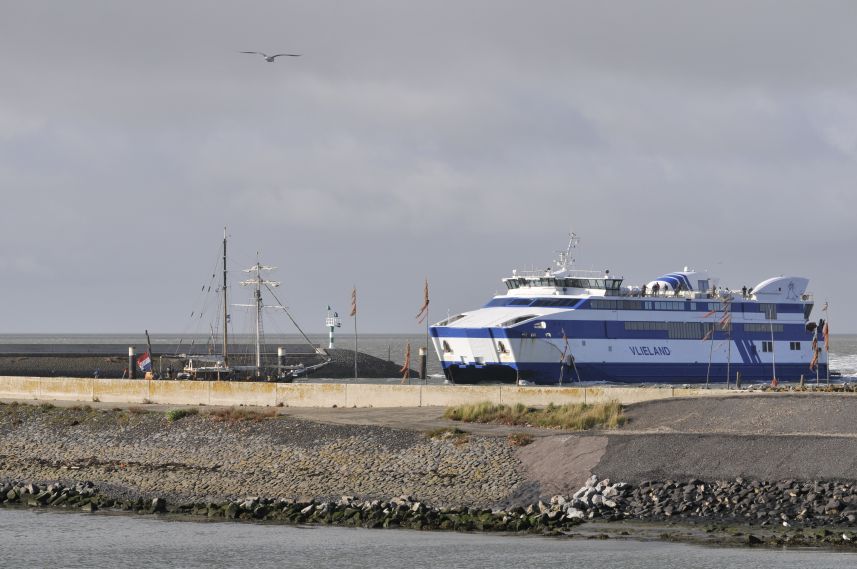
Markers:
point(56, 539)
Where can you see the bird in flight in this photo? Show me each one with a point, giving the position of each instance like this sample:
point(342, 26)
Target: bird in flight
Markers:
point(271, 58)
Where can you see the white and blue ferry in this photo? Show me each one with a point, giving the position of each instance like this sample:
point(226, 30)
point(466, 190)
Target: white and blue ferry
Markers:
point(562, 325)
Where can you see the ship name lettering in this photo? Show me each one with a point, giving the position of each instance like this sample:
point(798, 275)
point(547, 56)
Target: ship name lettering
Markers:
point(650, 351)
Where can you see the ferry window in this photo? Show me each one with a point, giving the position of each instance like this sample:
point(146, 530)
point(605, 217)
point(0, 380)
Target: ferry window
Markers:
point(517, 320)
point(770, 310)
point(767, 347)
point(766, 328)
point(794, 345)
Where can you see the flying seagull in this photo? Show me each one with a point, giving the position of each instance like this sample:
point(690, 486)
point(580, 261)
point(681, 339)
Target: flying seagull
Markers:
point(271, 58)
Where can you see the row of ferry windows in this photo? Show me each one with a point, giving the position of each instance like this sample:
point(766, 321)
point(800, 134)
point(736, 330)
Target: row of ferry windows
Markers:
point(607, 284)
point(695, 330)
point(768, 346)
point(770, 310)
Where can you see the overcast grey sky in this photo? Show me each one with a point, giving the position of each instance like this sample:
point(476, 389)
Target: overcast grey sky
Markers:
point(450, 139)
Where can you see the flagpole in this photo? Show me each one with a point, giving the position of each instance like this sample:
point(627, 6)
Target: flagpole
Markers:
point(815, 349)
point(773, 353)
point(354, 314)
point(425, 377)
point(827, 337)
point(711, 349)
point(729, 348)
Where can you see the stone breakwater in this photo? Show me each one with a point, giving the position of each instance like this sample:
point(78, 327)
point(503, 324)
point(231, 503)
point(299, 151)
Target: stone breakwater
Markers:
point(341, 364)
point(821, 513)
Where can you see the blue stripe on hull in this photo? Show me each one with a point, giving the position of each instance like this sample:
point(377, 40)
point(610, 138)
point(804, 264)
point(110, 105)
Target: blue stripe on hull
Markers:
point(549, 373)
point(615, 330)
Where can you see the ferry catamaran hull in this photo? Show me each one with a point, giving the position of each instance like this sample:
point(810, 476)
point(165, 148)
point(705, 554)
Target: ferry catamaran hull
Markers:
point(564, 326)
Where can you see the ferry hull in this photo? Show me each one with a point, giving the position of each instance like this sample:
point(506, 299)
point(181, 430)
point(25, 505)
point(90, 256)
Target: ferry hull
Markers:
point(550, 373)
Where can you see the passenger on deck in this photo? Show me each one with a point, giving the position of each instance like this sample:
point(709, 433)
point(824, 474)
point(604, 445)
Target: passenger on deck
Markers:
point(744, 291)
point(677, 289)
point(655, 289)
point(643, 291)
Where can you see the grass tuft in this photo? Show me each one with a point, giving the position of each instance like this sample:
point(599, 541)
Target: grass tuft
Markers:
point(457, 436)
point(174, 415)
point(519, 439)
point(232, 414)
point(571, 416)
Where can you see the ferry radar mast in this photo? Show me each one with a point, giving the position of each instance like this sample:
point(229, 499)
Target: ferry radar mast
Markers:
point(564, 260)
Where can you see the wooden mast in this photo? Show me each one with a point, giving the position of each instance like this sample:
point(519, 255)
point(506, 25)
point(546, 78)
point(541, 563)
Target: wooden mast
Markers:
point(225, 308)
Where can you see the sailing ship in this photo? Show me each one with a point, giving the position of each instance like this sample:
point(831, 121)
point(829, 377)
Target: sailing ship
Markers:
point(225, 361)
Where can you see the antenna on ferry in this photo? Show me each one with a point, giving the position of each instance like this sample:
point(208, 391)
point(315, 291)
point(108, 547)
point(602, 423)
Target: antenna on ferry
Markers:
point(565, 260)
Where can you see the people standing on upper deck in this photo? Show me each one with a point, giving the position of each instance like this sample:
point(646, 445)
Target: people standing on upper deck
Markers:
point(655, 289)
point(744, 291)
point(643, 291)
point(677, 289)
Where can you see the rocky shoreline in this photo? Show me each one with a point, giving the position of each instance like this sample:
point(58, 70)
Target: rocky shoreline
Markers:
point(253, 465)
point(721, 513)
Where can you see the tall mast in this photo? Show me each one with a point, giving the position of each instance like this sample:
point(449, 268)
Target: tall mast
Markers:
point(258, 294)
point(225, 309)
point(257, 282)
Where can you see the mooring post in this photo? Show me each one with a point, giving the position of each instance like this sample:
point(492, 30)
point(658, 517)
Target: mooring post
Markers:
point(737, 380)
point(423, 364)
point(132, 363)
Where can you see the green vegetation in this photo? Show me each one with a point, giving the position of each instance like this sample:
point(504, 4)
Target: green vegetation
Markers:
point(572, 416)
point(453, 434)
point(519, 439)
point(174, 415)
point(232, 414)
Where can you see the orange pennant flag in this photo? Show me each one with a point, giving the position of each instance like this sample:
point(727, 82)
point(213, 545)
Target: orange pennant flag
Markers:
point(424, 309)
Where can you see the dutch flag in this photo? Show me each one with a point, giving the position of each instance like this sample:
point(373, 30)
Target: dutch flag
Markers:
point(144, 362)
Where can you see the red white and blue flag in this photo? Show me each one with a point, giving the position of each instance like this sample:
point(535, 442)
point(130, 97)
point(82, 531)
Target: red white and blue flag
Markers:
point(144, 362)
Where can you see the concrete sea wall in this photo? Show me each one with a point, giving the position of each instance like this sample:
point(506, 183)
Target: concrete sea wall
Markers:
point(323, 394)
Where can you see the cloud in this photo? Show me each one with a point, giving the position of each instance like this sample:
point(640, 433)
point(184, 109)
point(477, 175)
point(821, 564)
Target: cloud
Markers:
point(448, 139)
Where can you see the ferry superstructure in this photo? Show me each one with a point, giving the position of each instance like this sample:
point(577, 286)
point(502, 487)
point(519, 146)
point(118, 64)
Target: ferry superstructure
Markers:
point(563, 326)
